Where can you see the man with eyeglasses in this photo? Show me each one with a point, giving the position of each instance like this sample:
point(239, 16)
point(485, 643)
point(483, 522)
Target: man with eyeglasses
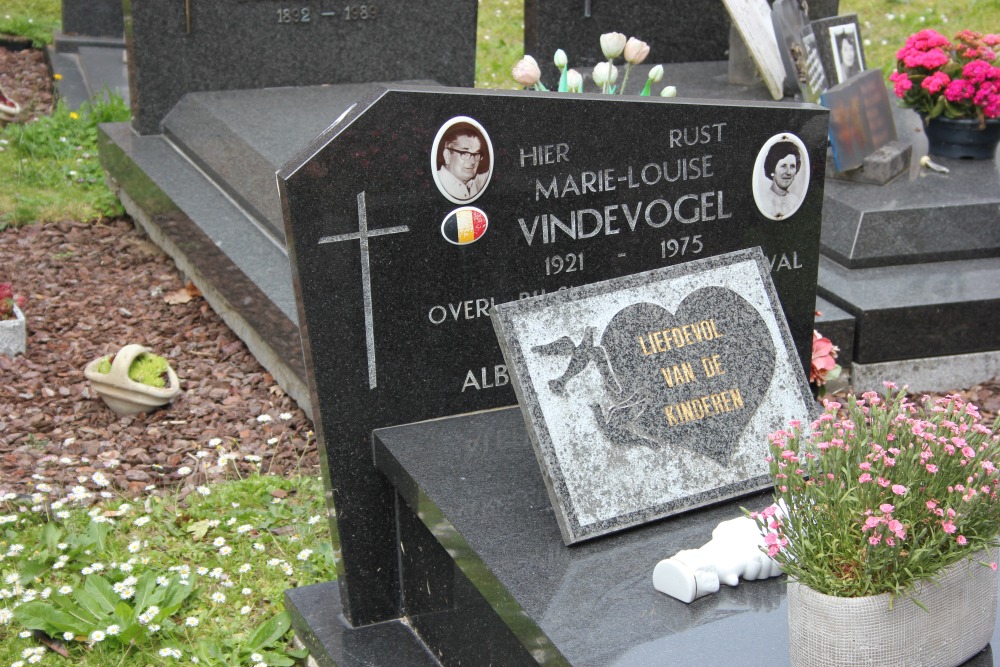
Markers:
point(461, 161)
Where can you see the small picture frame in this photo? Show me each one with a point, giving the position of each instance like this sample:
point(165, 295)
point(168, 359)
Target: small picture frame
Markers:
point(462, 160)
point(840, 47)
point(781, 176)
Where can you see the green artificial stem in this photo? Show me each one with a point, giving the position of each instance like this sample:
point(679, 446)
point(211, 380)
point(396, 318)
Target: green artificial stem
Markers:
point(628, 68)
point(563, 82)
point(540, 86)
point(647, 88)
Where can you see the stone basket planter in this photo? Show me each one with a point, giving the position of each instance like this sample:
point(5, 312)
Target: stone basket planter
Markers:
point(961, 612)
point(124, 395)
point(13, 334)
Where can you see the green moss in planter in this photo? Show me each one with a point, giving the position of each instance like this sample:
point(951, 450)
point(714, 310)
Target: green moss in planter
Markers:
point(149, 369)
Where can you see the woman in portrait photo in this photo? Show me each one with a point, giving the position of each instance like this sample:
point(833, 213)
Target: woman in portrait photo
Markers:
point(779, 182)
point(463, 160)
point(846, 55)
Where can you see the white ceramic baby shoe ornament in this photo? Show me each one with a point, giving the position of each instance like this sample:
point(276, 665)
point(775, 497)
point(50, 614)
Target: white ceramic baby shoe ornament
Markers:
point(733, 552)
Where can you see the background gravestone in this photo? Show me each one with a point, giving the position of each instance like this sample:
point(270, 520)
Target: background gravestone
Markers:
point(679, 31)
point(393, 303)
point(653, 394)
point(178, 46)
point(97, 18)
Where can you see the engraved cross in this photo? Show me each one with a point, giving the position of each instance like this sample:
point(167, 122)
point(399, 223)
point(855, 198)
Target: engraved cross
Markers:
point(362, 235)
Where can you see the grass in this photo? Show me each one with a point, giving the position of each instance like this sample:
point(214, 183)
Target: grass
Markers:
point(190, 570)
point(34, 19)
point(49, 168)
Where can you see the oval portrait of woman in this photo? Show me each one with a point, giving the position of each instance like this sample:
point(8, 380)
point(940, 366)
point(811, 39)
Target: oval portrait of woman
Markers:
point(781, 176)
point(462, 160)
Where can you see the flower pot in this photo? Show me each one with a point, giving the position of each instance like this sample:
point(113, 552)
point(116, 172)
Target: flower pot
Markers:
point(961, 612)
point(13, 334)
point(123, 394)
point(962, 138)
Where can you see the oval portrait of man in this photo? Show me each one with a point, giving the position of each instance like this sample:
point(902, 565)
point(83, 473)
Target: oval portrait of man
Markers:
point(781, 176)
point(462, 160)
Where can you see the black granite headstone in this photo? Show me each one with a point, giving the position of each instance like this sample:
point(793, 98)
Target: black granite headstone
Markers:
point(678, 31)
point(179, 46)
point(422, 207)
point(653, 394)
point(95, 18)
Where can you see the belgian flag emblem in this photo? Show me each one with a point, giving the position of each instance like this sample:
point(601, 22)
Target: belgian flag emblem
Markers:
point(464, 225)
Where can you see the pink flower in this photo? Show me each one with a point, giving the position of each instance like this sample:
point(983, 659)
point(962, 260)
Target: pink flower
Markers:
point(948, 527)
point(865, 477)
point(931, 468)
point(931, 504)
point(824, 355)
point(961, 540)
point(887, 508)
point(898, 489)
point(935, 82)
point(883, 482)
point(871, 522)
point(959, 90)
point(875, 539)
point(993, 566)
point(865, 466)
point(897, 528)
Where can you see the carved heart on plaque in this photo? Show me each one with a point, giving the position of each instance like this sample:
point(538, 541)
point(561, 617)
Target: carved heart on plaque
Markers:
point(690, 379)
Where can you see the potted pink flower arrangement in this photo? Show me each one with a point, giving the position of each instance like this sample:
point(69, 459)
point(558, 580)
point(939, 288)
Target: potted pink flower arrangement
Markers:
point(955, 86)
point(13, 329)
point(889, 512)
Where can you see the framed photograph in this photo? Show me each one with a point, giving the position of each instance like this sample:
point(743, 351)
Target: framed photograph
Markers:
point(462, 160)
point(781, 176)
point(840, 47)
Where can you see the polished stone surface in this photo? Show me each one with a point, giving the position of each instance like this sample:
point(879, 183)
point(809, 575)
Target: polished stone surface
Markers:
point(921, 216)
point(88, 71)
point(653, 394)
point(918, 311)
point(96, 18)
point(938, 374)
point(333, 643)
point(367, 222)
point(240, 138)
point(177, 47)
point(473, 483)
point(242, 271)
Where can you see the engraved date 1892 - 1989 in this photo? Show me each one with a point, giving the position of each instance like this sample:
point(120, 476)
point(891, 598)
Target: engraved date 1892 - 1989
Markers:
point(294, 15)
point(305, 14)
point(360, 12)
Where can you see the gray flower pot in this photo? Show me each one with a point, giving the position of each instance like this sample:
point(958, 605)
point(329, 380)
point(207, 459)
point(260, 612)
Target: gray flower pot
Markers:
point(957, 623)
point(13, 335)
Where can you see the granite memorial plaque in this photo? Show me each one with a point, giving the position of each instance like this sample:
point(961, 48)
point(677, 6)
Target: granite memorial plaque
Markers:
point(653, 394)
point(179, 46)
point(840, 46)
point(860, 118)
point(421, 208)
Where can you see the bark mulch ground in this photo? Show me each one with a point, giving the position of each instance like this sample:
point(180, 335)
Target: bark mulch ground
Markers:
point(91, 289)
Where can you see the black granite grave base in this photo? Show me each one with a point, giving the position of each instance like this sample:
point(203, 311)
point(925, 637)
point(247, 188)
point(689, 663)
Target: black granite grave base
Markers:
point(316, 619)
point(497, 564)
point(90, 66)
